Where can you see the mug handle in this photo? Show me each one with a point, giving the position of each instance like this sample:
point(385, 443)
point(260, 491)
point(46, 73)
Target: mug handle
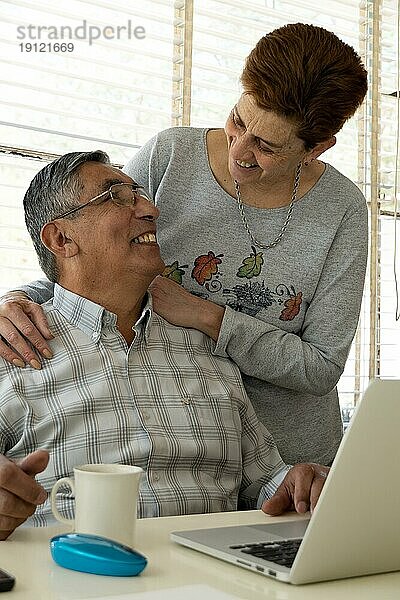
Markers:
point(64, 481)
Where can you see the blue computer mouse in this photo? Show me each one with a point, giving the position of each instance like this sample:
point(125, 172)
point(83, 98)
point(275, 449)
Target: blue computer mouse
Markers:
point(95, 554)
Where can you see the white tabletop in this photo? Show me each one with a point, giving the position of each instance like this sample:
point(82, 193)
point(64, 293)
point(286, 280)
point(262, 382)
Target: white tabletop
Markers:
point(26, 555)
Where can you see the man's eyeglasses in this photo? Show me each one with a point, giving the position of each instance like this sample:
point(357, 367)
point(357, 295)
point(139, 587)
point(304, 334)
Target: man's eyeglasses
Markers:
point(121, 194)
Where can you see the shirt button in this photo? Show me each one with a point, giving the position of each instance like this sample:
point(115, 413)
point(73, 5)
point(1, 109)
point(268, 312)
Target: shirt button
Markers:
point(94, 335)
point(146, 416)
point(156, 477)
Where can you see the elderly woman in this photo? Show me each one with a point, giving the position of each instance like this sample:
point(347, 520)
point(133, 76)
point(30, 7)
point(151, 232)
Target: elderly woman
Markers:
point(268, 242)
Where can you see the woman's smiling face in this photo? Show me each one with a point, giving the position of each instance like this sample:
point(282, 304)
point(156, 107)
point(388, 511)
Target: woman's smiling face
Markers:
point(262, 145)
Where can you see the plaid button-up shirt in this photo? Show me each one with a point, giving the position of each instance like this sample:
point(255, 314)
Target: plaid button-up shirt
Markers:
point(165, 404)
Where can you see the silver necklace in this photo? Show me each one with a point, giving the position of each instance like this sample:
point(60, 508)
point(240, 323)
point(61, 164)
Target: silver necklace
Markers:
point(288, 215)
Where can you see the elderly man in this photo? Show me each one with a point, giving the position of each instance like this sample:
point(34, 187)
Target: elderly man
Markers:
point(126, 386)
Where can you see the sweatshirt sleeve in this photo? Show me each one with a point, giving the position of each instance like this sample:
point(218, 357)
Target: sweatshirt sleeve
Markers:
point(313, 361)
point(39, 291)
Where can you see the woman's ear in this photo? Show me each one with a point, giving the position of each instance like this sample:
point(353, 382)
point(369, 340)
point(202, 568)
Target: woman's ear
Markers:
point(54, 237)
point(320, 148)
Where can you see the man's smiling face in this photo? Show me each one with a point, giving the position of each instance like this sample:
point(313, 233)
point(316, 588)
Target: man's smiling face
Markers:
point(115, 242)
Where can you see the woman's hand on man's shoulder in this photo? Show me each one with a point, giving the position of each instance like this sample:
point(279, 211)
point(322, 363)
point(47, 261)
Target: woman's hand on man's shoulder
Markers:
point(23, 331)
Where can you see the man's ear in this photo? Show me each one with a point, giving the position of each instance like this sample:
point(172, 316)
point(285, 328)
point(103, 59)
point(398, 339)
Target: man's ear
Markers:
point(55, 239)
point(320, 148)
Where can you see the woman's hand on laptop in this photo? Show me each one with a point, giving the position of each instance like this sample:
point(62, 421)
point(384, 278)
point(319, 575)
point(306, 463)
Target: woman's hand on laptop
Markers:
point(299, 490)
point(23, 321)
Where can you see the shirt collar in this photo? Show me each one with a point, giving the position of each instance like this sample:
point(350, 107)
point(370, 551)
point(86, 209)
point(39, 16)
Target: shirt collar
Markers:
point(90, 317)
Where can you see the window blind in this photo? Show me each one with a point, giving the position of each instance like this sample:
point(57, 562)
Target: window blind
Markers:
point(388, 161)
point(113, 93)
point(18, 263)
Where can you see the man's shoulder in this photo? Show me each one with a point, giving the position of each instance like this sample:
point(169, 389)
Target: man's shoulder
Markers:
point(58, 325)
point(69, 331)
point(195, 343)
point(54, 317)
point(174, 333)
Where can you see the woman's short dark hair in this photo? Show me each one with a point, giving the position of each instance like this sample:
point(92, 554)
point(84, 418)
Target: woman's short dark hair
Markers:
point(307, 74)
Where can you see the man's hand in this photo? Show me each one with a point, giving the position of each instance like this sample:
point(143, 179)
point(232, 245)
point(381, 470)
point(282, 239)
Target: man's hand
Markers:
point(20, 494)
point(299, 490)
point(21, 318)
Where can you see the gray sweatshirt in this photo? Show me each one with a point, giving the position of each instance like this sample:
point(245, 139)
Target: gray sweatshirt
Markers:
point(291, 311)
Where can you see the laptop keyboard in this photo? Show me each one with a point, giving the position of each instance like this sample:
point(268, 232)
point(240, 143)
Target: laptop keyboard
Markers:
point(282, 552)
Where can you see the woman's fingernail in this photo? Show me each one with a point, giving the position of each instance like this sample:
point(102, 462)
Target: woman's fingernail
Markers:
point(35, 364)
point(47, 354)
point(18, 362)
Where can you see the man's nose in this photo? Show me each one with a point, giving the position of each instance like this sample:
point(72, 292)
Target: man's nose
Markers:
point(145, 209)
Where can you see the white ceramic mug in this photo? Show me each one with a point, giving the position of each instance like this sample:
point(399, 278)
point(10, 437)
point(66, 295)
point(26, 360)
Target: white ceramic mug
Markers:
point(105, 500)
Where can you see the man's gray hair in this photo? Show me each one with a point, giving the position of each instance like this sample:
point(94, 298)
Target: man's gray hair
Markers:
point(53, 191)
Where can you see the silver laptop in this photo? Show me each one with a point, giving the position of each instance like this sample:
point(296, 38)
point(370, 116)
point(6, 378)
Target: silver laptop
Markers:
point(355, 528)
